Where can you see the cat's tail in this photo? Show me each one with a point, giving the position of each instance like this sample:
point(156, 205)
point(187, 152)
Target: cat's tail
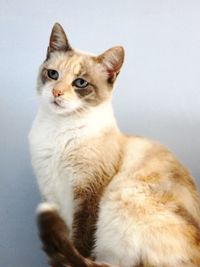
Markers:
point(54, 236)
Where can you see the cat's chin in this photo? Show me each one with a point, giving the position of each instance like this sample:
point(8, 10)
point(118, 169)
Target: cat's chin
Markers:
point(58, 109)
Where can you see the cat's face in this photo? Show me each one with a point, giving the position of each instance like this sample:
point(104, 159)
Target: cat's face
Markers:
point(70, 81)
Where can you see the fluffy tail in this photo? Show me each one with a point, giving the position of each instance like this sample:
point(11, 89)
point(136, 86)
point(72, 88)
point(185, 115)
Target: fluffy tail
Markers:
point(54, 236)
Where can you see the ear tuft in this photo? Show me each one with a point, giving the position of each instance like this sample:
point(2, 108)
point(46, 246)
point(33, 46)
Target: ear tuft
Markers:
point(112, 59)
point(58, 40)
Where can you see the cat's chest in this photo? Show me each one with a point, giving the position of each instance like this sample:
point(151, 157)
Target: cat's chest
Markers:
point(49, 148)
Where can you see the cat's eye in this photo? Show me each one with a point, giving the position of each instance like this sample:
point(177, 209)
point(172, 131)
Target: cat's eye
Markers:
point(53, 74)
point(80, 83)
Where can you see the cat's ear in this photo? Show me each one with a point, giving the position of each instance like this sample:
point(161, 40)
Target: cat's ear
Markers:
point(112, 59)
point(58, 40)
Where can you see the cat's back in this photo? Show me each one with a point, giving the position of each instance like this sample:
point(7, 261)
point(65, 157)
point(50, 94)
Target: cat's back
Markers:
point(148, 158)
point(149, 165)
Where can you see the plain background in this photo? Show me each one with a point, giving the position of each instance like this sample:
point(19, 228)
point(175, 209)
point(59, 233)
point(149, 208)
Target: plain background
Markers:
point(157, 93)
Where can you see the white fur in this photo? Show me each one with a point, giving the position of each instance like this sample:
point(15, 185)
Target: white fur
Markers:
point(45, 206)
point(50, 136)
point(123, 238)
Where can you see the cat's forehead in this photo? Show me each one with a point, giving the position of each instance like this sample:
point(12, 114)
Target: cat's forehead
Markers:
point(76, 61)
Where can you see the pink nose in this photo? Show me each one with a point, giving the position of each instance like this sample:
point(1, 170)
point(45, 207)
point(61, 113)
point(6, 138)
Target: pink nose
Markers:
point(57, 92)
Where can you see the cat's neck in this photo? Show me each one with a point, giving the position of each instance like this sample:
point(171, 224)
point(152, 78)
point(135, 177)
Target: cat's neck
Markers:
point(95, 119)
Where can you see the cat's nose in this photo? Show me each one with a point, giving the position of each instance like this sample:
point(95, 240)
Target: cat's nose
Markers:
point(57, 92)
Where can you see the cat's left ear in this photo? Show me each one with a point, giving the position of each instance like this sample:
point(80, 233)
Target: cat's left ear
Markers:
point(58, 40)
point(112, 60)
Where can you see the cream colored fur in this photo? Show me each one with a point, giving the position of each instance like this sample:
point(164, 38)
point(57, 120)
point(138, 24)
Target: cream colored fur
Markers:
point(52, 138)
point(150, 204)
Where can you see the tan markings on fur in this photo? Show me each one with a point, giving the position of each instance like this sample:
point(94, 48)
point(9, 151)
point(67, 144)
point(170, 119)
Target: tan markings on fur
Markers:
point(150, 196)
point(170, 175)
point(71, 65)
point(88, 192)
point(153, 177)
point(128, 191)
point(193, 231)
point(43, 75)
point(54, 236)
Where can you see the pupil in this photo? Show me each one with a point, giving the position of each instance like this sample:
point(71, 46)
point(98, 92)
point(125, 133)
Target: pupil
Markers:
point(53, 74)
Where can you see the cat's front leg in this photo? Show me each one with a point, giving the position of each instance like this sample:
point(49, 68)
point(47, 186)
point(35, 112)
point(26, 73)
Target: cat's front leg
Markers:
point(84, 222)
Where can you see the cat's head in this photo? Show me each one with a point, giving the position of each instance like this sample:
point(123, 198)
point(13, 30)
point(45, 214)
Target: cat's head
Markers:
point(71, 81)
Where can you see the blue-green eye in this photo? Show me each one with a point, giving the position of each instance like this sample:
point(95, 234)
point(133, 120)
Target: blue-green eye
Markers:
point(80, 83)
point(53, 74)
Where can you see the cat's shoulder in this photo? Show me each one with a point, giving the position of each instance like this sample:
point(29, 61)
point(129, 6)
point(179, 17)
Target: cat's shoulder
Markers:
point(143, 143)
point(147, 151)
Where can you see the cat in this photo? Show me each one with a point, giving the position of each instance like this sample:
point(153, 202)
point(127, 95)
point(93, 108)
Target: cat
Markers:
point(112, 199)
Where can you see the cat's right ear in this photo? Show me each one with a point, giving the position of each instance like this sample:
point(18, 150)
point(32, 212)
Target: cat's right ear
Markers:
point(58, 40)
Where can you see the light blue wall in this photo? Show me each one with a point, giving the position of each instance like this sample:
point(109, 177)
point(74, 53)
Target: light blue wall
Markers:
point(157, 94)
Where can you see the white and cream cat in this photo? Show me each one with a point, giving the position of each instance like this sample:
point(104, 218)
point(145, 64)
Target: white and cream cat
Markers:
point(126, 200)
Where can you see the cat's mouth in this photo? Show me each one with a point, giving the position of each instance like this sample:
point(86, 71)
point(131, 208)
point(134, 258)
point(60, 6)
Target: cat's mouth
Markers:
point(57, 103)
